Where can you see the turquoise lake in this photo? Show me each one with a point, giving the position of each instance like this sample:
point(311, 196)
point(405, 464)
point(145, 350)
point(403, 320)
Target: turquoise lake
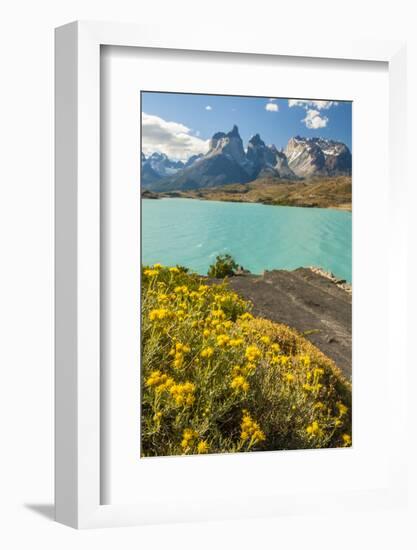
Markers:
point(192, 233)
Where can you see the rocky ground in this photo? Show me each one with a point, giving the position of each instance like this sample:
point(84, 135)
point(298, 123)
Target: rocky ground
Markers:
point(308, 300)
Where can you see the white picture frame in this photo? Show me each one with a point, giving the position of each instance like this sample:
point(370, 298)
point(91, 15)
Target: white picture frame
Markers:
point(77, 242)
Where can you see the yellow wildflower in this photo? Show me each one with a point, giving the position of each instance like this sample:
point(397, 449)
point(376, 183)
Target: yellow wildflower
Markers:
point(165, 383)
point(188, 438)
point(163, 298)
point(314, 429)
point(154, 378)
point(222, 340)
point(246, 317)
point(151, 272)
point(207, 352)
point(342, 409)
point(347, 440)
point(218, 314)
point(250, 429)
point(235, 342)
point(284, 360)
point(182, 347)
point(202, 447)
point(181, 290)
point(159, 380)
point(239, 383)
point(158, 314)
point(289, 377)
point(183, 394)
point(174, 270)
point(178, 361)
point(252, 353)
point(265, 340)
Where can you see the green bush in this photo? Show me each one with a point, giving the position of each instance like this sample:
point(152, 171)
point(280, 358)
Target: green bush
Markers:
point(225, 266)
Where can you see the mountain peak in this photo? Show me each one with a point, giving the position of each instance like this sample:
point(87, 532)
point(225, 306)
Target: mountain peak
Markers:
point(228, 144)
point(234, 132)
point(256, 141)
point(318, 156)
point(218, 135)
point(158, 156)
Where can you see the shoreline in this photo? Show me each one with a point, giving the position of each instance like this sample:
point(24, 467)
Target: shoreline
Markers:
point(342, 207)
point(327, 193)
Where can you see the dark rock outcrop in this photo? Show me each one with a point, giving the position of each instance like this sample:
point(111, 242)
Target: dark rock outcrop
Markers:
point(313, 304)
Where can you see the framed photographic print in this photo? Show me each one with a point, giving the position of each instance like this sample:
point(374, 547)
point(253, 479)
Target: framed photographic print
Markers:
point(226, 337)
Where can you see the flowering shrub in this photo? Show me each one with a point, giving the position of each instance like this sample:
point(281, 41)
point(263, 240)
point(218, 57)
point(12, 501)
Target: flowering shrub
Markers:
point(215, 379)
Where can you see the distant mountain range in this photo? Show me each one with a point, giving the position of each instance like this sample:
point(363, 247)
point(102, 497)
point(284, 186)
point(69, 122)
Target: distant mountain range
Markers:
point(228, 162)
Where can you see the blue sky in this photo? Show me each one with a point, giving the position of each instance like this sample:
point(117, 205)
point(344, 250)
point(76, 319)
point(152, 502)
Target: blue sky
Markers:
point(181, 124)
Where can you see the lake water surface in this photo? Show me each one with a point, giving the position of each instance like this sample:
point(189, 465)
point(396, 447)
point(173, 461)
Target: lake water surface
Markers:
point(192, 233)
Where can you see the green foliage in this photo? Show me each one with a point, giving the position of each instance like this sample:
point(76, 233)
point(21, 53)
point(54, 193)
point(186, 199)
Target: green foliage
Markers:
point(225, 266)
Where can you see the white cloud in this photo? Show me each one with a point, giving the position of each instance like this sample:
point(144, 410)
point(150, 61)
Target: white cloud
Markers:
point(209, 108)
point(314, 119)
point(273, 107)
point(172, 138)
point(307, 103)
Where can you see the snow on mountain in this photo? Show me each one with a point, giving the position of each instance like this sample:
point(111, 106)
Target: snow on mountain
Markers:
point(317, 156)
point(158, 166)
point(162, 165)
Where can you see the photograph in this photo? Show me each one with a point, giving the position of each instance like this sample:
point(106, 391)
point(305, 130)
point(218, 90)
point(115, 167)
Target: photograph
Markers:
point(246, 273)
